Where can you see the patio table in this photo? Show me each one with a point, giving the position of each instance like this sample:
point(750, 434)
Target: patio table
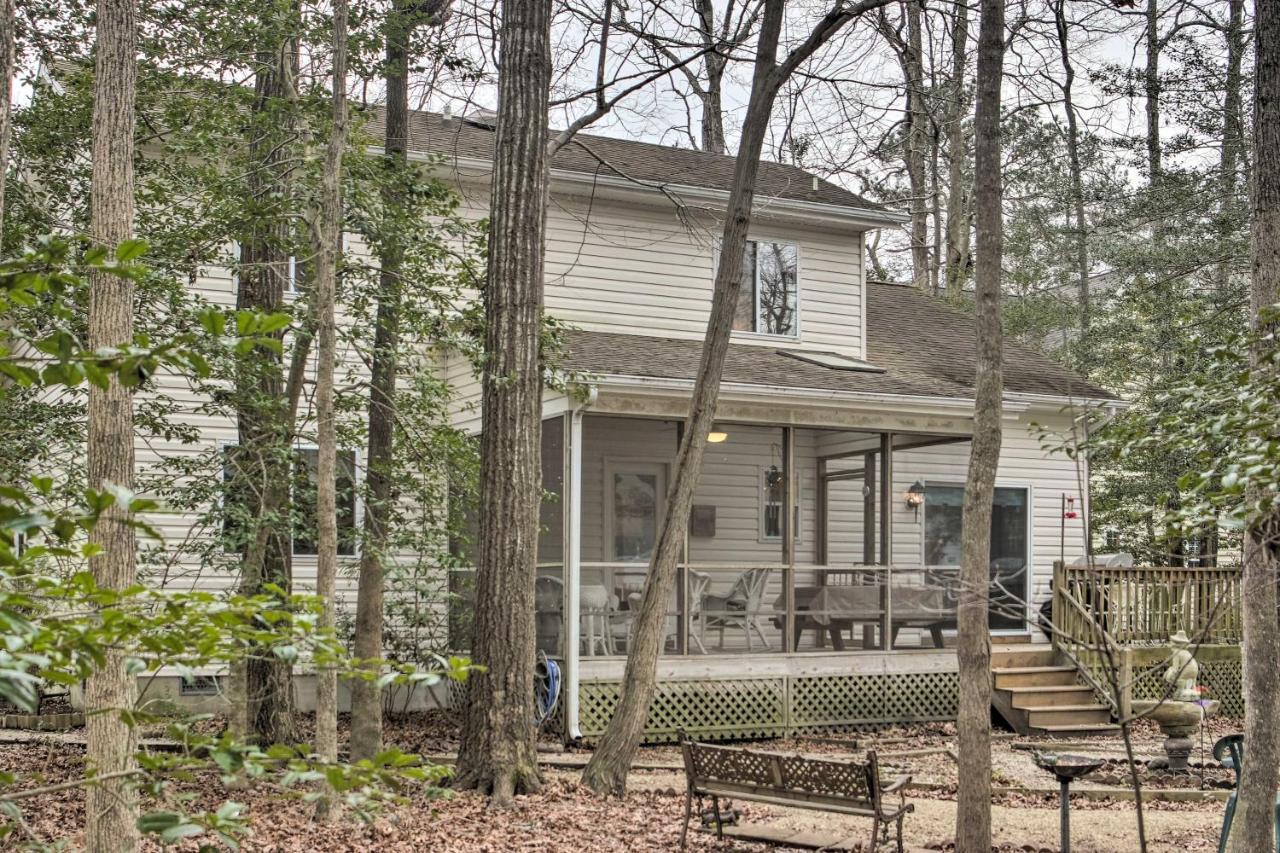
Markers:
point(837, 608)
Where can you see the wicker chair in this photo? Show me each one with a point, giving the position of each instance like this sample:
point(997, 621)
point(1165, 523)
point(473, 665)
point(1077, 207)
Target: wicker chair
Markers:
point(739, 607)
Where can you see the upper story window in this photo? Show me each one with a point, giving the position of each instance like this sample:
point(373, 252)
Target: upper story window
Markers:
point(237, 523)
point(769, 301)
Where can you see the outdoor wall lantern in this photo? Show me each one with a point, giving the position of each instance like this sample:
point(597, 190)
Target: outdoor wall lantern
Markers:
point(915, 497)
point(717, 434)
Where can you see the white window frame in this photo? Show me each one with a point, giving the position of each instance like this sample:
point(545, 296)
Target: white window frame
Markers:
point(755, 290)
point(1031, 528)
point(357, 474)
point(357, 520)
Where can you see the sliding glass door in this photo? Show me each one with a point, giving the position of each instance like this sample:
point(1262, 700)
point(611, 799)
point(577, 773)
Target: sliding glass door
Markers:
point(1010, 546)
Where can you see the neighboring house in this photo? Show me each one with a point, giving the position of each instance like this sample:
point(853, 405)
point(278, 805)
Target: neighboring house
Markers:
point(820, 579)
point(827, 518)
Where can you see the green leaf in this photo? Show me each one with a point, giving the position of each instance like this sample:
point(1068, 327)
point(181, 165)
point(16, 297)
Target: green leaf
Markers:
point(130, 250)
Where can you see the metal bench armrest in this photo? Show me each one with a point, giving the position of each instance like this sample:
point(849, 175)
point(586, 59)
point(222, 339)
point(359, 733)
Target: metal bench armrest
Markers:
point(896, 784)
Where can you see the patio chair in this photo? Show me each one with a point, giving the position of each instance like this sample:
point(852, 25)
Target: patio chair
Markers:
point(598, 608)
point(739, 607)
point(699, 583)
point(1229, 752)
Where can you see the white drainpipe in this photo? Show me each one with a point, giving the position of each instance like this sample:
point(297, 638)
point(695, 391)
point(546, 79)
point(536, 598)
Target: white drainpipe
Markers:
point(573, 570)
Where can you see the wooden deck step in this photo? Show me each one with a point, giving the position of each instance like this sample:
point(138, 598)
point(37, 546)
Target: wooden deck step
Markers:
point(1038, 693)
point(1080, 730)
point(1068, 715)
point(1028, 655)
point(1034, 676)
point(1055, 695)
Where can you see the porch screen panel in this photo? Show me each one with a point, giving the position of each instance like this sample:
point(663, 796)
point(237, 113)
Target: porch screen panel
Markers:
point(549, 586)
point(626, 465)
point(737, 583)
point(840, 592)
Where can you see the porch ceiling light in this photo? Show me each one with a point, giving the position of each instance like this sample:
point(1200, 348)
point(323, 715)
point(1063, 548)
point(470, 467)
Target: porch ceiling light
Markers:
point(717, 434)
point(915, 496)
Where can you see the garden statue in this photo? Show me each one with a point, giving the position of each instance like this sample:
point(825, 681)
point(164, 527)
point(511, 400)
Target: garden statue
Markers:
point(1183, 671)
point(1182, 713)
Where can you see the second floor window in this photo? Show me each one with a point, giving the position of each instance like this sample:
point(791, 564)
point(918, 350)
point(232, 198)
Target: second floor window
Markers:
point(769, 300)
point(238, 525)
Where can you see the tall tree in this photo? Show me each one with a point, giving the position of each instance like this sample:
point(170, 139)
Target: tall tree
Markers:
point(8, 60)
point(606, 773)
point(910, 53)
point(973, 806)
point(1232, 132)
point(715, 30)
point(958, 219)
point(265, 403)
point(366, 696)
point(327, 245)
point(1255, 817)
point(497, 752)
point(111, 806)
point(1080, 224)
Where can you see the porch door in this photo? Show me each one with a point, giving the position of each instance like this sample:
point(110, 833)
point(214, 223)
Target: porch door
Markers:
point(634, 492)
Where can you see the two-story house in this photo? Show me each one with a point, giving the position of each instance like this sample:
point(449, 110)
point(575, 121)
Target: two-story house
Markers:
point(819, 585)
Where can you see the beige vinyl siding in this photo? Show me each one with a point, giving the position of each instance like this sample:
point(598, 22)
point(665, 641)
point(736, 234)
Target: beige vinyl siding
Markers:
point(645, 270)
point(217, 285)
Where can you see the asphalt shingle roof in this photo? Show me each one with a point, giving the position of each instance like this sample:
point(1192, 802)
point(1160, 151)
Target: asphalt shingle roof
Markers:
point(925, 348)
point(646, 162)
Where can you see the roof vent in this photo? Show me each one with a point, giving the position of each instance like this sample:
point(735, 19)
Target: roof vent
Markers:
point(815, 183)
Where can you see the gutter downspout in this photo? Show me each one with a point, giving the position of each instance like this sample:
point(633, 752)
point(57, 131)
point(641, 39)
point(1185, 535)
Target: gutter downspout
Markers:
point(573, 569)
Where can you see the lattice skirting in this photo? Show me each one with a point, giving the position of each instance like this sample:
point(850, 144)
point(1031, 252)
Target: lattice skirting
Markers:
point(1222, 678)
point(734, 708)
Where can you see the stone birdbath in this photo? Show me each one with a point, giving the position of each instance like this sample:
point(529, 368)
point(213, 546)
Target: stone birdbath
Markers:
point(1066, 769)
point(1181, 714)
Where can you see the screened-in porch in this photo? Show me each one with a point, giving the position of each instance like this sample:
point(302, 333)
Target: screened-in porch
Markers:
point(800, 540)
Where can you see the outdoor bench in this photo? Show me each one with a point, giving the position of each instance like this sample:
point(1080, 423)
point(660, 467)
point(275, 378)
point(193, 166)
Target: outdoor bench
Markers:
point(796, 781)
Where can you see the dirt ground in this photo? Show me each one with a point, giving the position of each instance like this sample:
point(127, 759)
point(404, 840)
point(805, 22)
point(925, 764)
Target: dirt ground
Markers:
point(563, 817)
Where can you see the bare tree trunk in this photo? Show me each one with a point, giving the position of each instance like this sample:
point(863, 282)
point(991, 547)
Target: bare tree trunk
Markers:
point(497, 753)
point(264, 413)
point(973, 807)
point(327, 235)
point(1073, 162)
point(111, 807)
point(957, 157)
point(935, 208)
point(1232, 134)
point(1151, 91)
point(1255, 810)
point(912, 60)
point(606, 773)
point(366, 696)
point(712, 93)
point(7, 61)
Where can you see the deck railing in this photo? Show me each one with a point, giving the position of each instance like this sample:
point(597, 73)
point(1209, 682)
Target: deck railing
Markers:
point(1105, 619)
point(1144, 605)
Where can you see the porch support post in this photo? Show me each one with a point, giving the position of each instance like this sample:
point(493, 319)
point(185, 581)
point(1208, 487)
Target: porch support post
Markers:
point(684, 604)
point(572, 568)
point(789, 537)
point(886, 539)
